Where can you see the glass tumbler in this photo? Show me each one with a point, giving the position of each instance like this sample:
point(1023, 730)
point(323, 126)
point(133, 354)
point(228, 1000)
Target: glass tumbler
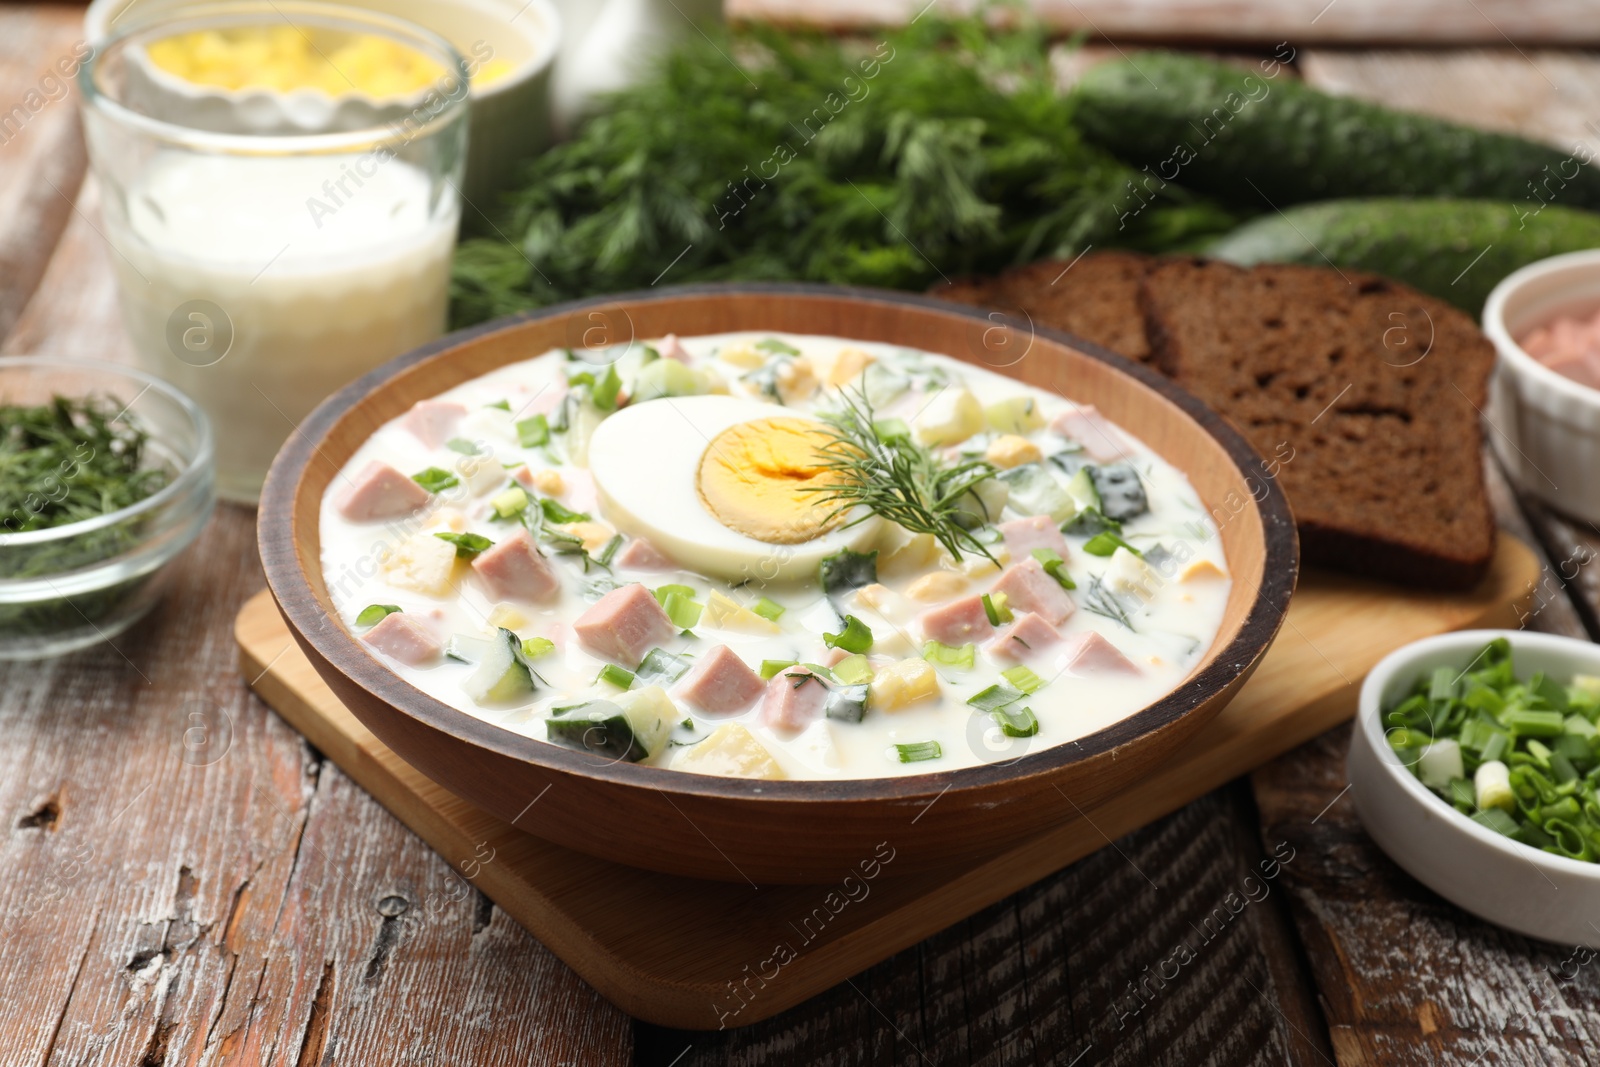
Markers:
point(280, 182)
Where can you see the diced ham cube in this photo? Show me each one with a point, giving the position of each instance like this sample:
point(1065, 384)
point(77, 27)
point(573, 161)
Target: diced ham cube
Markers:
point(1036, 531)
point(515, 569)
point(405, 638)
point(794, 699)
point(1089, 653)
point(1026, 635)
point(623, 625)
point(671, 348)
point(957, 622)
point(379, 492)
point(1028, 587)
point(1100, 439)
point(720, 683)
point(433, 422)
point(641, 555)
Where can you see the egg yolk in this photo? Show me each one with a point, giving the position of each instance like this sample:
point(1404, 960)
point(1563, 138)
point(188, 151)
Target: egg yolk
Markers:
point(761, 479)
point(286, 57)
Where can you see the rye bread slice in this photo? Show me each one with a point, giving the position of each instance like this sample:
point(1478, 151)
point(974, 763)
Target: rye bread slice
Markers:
point(1095, 298)
point(1363, 393)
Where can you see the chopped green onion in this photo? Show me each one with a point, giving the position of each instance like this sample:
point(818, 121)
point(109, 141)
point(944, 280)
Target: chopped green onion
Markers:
point(606, 390)
point(1015, 722)
point(777, 347)
point(995, 607)
point(1535, 723)
point(373, 614)
point(1054, 566)
point(461, 445)
point(853, 670)
point(1106, 543)
point(436, 479)
point(855, 637)
point(996, 696)
point(1496, 820)
point(609, 551)
point(509, 504)
point(962, 656)
point(663, 591)
point(533, 431)
point(1023, 678)
point(503, 405)
point(918, 751)
point(892, 429)
point(467, 545)
point(772, 667)
point(560, 514)
point(846, 570)
point(617, 676)
point(534, 647)
point(682, 610)
point(767, 609)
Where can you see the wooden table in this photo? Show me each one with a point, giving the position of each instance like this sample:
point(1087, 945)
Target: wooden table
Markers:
point(261, 908)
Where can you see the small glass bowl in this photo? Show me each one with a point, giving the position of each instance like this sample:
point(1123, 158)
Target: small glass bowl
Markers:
point(68, 587)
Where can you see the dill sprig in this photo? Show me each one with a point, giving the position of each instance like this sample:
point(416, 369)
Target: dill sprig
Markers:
point(891, 475)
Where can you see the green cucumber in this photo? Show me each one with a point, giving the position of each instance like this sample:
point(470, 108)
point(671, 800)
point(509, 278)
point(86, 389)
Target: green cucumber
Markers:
point(1456, 250)
point(1275, 141)
point(633, 726)
point(503, 673)
point(1035, 491)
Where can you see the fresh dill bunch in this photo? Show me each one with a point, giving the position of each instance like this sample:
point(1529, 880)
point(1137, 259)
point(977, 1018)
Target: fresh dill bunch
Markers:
point(939, 149)
point(880, 467)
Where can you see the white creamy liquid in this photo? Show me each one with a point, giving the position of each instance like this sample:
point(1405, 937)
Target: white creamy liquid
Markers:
point(310, 302)
point(1170, 632)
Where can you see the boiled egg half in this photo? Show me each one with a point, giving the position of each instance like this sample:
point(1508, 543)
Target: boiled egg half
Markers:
point(724, 486)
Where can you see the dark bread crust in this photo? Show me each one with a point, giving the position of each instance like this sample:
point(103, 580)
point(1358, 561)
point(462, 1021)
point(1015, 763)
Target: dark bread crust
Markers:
point(1095, 297)
point(1385, 477)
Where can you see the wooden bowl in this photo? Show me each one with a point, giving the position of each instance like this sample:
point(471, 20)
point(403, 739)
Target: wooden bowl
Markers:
point(781, 832)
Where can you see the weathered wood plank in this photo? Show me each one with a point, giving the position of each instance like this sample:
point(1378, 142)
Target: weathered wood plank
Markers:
point(41, 152)
point(1346, 22)
point(1130, 956)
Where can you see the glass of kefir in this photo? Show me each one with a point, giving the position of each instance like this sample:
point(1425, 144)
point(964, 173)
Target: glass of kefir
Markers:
point(281, 190)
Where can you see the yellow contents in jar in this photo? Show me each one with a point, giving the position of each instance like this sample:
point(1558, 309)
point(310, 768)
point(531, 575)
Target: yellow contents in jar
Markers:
point(284, 58)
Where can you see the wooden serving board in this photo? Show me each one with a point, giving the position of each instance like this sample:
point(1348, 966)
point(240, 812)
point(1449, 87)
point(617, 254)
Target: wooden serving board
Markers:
point(708, 955)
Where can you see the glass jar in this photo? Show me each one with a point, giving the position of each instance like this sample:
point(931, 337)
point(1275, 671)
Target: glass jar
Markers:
point(280, 183)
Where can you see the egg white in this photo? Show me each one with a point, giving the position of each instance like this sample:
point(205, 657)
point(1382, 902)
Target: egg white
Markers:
point(645, 460)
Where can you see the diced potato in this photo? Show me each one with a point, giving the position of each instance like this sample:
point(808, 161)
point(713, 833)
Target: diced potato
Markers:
point(731, 751)
point(950, 418)
point(722, 612)
point(1127, 573)
point(797, 381)
point(1201, 569)
point(549, 482)
point(849, 365)
point(743, 354)
point(507, 616)
point(594, 535)
point(903, 683)
point(1009, 450)
point(1019, 414)
point(423, 564)
point(872, 596)
point(938, 586)
point(482, 474)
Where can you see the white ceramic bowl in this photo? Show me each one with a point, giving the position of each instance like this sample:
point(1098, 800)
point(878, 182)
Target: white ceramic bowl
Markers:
point(1545, 426)
point(1510, 884)
point(510, 117)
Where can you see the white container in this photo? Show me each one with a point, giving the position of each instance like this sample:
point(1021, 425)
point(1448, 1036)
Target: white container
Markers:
point(1545, 426)
point(1508, 883)
point(510, 121)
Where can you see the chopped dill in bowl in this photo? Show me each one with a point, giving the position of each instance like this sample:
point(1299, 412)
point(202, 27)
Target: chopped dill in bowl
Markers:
point(1520, 757)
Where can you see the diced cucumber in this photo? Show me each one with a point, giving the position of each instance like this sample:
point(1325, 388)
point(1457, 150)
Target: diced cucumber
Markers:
point(1082, 489)
point(464, 649)
point(668, 377)
point(1017, 414)
point(981, 505)
point(633, 726)
point(1035, 491)
point(1122, 495)
point(503, 674)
